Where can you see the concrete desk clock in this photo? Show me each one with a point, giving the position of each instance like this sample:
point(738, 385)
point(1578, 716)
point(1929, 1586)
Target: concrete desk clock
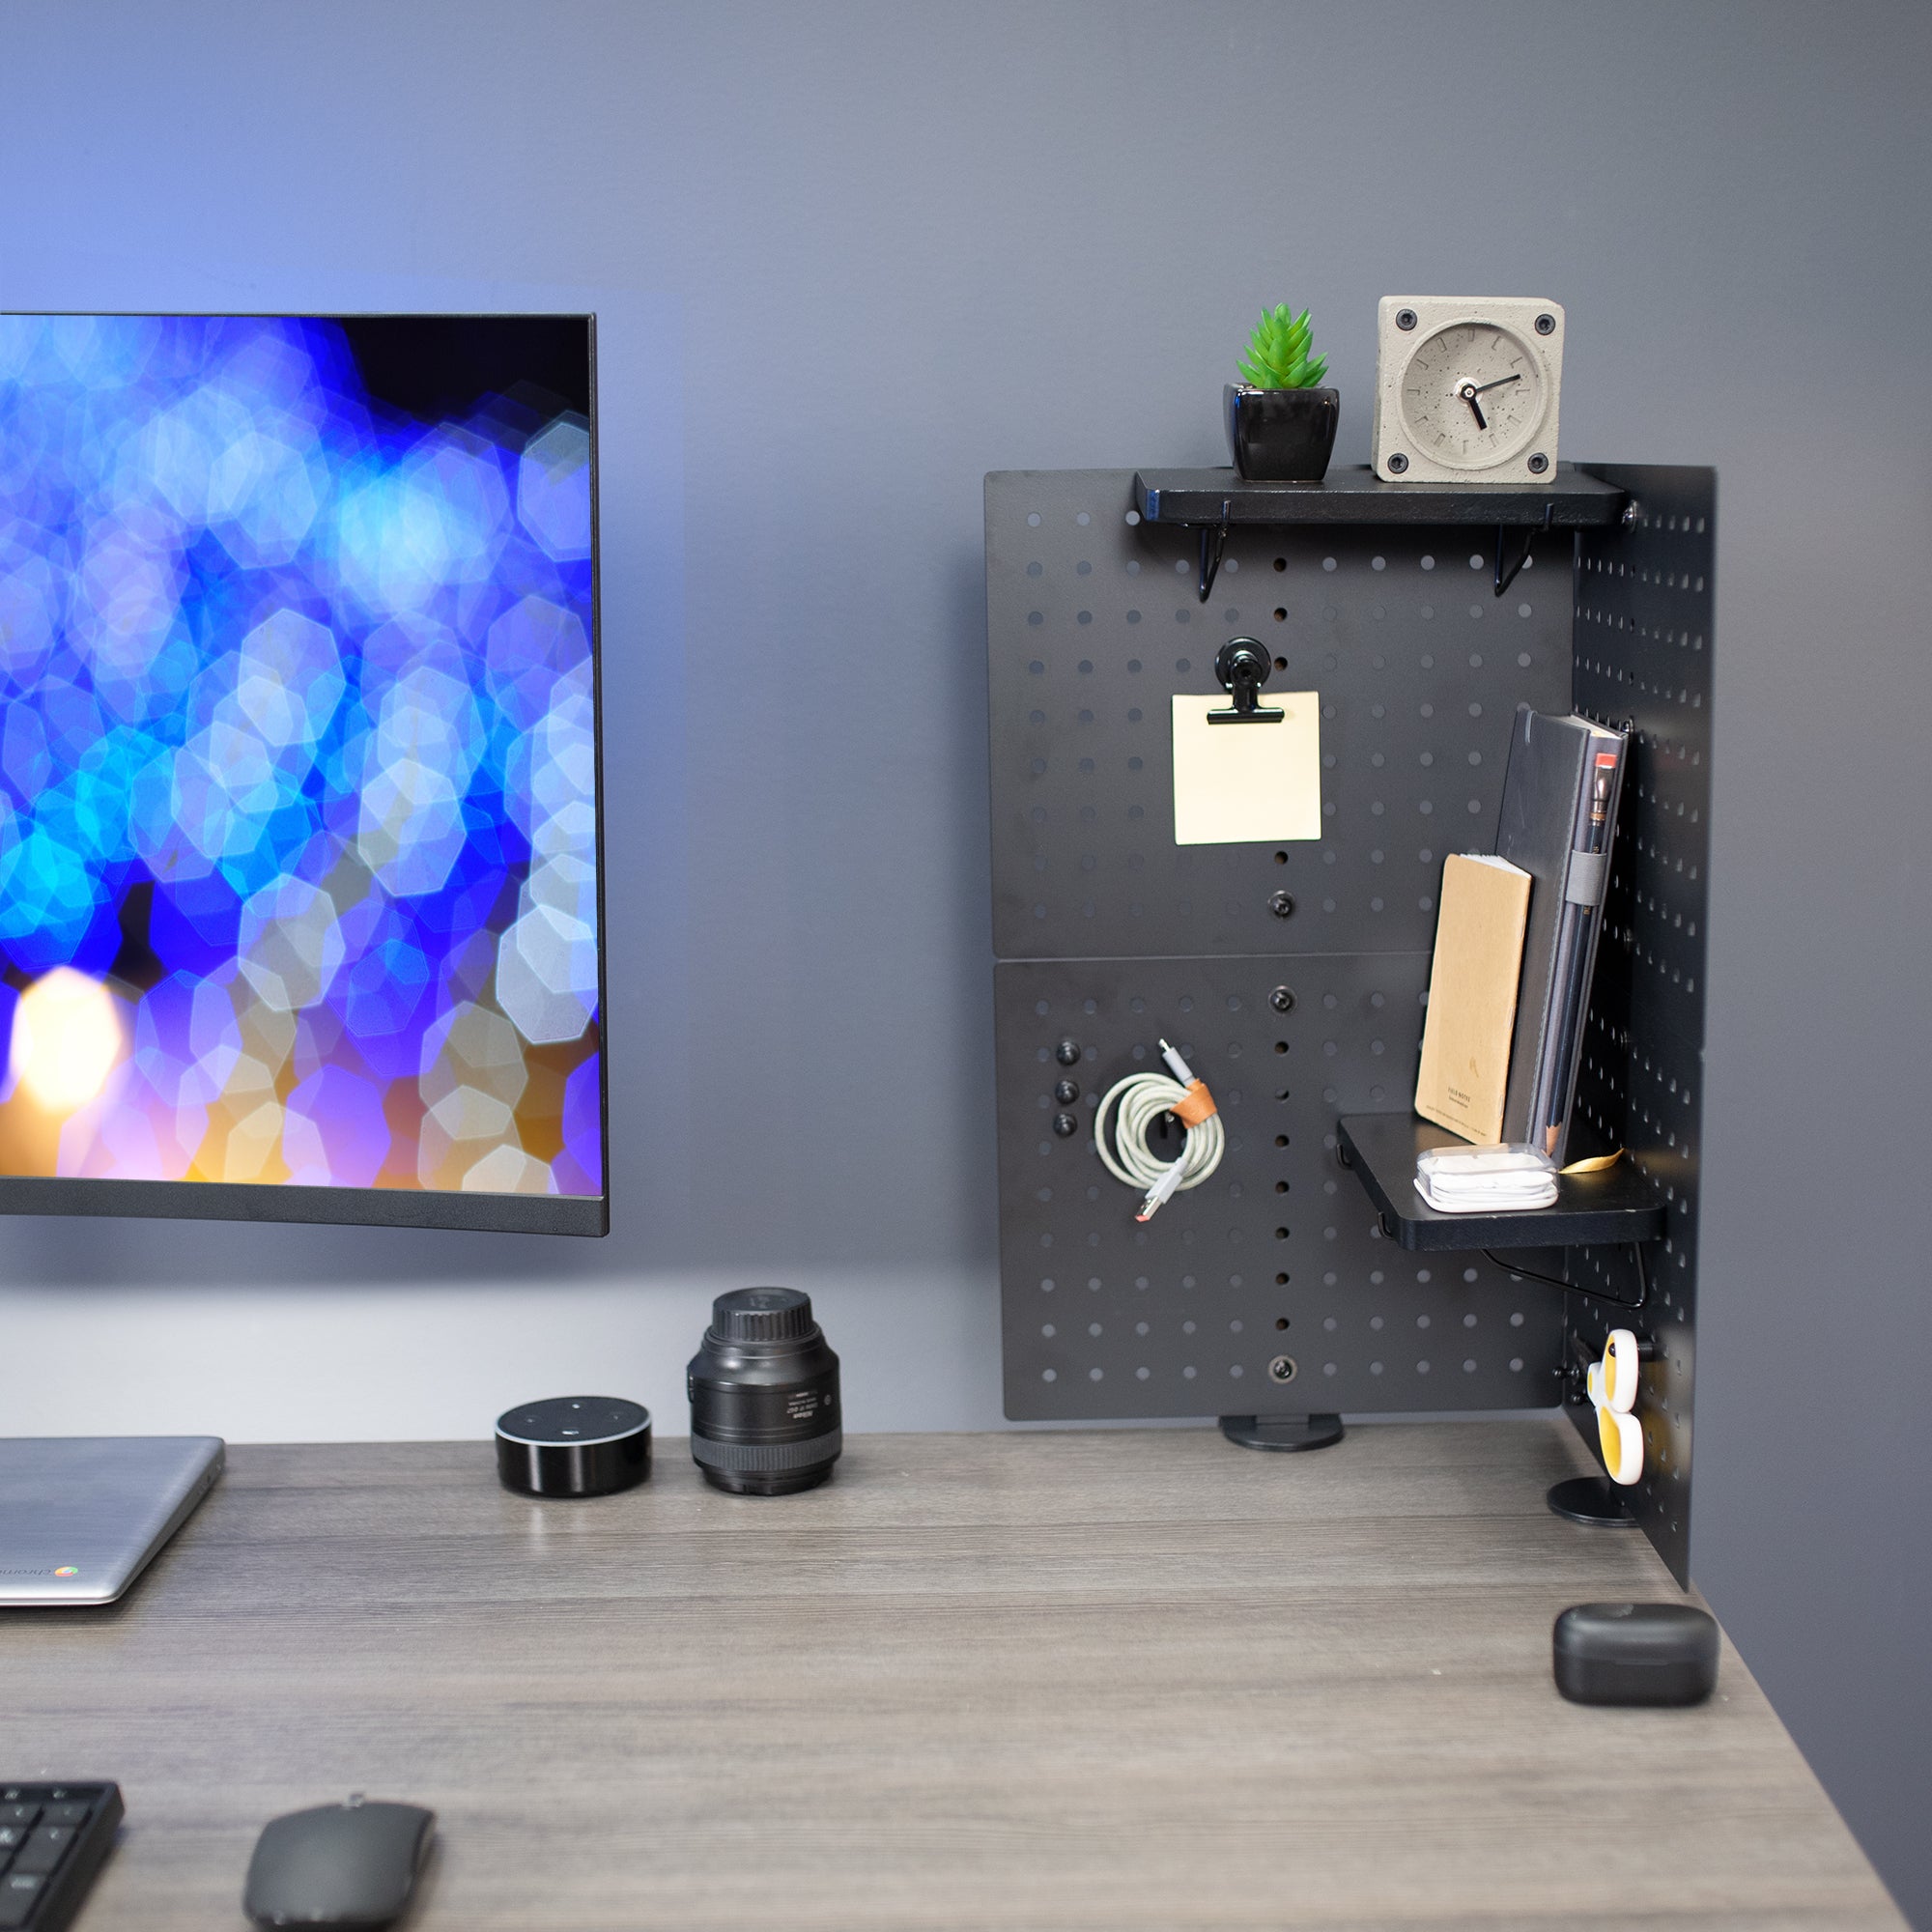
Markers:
point(1466, 388)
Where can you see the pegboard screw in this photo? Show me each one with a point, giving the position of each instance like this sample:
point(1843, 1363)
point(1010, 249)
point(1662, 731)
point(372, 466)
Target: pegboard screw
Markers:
point(1068, 1052)
point(1281, 999)
point(1281, 1368)
point(1066, 1126)
point(1632, 514)
point(1282, 904)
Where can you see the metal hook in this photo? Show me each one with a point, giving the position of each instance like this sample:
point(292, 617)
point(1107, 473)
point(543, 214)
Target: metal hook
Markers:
point(1213, 542)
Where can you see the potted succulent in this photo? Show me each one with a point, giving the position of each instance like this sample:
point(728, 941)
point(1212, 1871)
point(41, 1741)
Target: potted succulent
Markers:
point(1281, 422)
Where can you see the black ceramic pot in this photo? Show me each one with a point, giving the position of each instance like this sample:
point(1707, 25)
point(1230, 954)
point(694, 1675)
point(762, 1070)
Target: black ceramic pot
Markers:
point(1282, 436)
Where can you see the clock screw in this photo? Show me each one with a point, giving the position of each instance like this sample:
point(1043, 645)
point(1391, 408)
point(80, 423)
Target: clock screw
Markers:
point(1281, 1000)
point(1545, 324)
point(1404, 318)
point(1538, 464)
point(1398, 462)
point(1281, 1368)
point(1068, 1052)
point(1281, 904)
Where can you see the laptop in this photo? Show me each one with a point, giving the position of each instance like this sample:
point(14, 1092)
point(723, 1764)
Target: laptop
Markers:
point(82, 1515)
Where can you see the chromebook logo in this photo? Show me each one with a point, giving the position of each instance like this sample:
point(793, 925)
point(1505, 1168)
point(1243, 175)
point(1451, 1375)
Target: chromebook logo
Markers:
point(68, 1569)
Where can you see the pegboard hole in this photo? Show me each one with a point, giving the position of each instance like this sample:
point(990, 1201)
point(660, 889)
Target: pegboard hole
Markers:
point(1281, 563)
point(1281, 615)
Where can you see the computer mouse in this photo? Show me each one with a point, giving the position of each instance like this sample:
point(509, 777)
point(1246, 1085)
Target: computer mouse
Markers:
point(347, 1865)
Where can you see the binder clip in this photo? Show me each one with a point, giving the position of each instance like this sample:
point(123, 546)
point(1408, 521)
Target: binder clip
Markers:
point(1243, 666)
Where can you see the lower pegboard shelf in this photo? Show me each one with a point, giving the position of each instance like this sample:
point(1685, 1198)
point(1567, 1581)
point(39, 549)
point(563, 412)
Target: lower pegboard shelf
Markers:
point(1617, 1204)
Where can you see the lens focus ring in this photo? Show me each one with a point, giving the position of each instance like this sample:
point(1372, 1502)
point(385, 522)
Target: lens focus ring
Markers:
point(766, 1458)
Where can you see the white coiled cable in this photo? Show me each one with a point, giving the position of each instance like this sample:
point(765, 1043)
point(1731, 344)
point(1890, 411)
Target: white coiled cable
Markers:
point(1136, 1103)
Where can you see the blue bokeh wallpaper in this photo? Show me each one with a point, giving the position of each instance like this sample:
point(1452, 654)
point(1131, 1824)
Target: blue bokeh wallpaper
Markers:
point(298, 755)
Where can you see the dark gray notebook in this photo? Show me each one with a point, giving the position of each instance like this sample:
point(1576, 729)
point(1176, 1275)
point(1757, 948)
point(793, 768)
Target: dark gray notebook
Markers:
point(1558, 818)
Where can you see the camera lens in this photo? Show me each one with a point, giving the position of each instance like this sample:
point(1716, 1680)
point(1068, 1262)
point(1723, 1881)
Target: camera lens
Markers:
point(764, 1395)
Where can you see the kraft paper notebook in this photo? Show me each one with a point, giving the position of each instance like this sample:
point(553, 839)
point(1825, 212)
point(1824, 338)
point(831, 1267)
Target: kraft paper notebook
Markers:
point(1472, 988)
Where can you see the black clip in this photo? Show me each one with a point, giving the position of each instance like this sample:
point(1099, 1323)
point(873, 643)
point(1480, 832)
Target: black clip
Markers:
point(1243, 666)
point(1505, 578)
point(1213, 542)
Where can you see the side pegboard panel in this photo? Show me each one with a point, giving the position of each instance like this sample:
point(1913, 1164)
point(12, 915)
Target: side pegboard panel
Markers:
point(1643, 636)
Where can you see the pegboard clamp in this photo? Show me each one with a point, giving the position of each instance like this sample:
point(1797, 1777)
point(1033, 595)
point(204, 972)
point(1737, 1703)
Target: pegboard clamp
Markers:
point(1242, 666)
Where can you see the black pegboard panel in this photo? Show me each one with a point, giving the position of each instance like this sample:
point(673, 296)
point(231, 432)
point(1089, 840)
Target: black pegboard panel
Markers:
point(1094, 623)
point(1110, 935)
point(1278, 1254)
point(1644, 609)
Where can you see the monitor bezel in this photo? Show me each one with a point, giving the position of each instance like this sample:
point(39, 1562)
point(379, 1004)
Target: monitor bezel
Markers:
point(583, 1215)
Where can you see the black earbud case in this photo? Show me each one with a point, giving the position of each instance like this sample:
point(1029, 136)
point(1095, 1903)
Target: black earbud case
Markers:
point(1636, 1654)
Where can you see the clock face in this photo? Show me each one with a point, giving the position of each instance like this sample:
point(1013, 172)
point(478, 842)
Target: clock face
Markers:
point(1472, 395)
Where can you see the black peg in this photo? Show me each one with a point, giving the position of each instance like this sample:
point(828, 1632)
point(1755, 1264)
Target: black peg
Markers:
point(1066, 1093)
point(1068, 1052)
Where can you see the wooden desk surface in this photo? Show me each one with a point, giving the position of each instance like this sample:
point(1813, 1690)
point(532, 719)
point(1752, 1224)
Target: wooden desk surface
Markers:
point(1104, 1681)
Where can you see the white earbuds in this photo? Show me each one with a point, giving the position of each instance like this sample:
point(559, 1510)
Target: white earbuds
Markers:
point(1611, 1384)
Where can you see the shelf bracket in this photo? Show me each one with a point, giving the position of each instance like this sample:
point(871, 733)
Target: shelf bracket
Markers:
point(1505, 578)
point(1574, 1287)
point(1213, 544)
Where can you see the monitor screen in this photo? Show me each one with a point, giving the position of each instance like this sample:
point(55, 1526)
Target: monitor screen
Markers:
point(299, 861)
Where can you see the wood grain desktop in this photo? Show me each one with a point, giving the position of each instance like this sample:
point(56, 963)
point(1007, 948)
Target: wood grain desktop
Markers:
point(1104, 1681)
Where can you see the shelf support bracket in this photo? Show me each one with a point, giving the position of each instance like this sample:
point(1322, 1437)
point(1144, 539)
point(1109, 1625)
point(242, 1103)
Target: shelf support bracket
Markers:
point(1505, 578)
point(1213, 544)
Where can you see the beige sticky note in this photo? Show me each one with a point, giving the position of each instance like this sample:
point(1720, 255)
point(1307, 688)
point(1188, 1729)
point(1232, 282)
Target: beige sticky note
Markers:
point(1233, 782)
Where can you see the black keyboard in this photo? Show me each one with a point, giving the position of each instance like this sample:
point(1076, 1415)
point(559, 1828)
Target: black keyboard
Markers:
point(52, 1840)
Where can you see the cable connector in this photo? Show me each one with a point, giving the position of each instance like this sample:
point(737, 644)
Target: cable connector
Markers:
point(1176, 1065)
point(1162, 1191)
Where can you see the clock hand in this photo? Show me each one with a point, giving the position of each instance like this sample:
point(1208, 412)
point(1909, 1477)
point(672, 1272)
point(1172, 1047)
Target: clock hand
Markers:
point(1469, 393)
point(1497, 385)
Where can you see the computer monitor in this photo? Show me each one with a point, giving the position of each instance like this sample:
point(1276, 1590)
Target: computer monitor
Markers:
point(301, 872)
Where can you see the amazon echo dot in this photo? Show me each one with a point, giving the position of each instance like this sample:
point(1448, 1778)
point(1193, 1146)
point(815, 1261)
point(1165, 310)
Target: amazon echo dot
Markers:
point(574, 1445)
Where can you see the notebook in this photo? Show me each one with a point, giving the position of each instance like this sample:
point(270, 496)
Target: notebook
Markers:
point(1557, 822)
point(1472, 988)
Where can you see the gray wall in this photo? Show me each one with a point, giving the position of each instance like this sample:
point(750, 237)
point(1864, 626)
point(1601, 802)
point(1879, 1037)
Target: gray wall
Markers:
point(906, 244)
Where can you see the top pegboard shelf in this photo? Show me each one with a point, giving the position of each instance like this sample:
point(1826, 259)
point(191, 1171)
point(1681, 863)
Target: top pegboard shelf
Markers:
point(1568, 500)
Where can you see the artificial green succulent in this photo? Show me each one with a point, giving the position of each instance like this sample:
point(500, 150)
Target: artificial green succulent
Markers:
point(1278, 355)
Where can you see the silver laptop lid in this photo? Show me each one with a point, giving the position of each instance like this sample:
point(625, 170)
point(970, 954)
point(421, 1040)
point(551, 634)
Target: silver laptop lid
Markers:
point(80, 1516)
